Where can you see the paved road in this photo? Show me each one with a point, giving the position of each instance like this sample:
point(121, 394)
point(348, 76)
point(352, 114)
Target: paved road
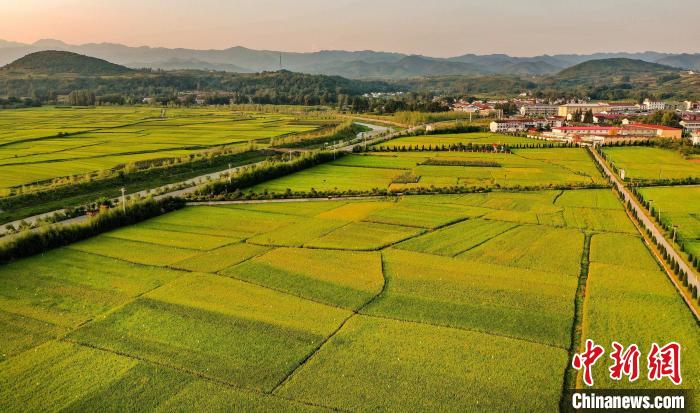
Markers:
point(646, 221)
point(376, 134)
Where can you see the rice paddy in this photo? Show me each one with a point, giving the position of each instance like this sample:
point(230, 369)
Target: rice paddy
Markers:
point(679, 207)
point(478, 138)
point(647, 163)
point(627, 292)
point(42, 144)
point(380, 170)
point(420, 303)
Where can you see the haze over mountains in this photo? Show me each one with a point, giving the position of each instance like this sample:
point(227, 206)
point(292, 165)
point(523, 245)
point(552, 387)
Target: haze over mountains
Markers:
point(360, 64)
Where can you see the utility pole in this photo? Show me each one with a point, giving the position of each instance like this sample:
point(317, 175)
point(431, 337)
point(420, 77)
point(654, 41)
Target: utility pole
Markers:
point(124, 199)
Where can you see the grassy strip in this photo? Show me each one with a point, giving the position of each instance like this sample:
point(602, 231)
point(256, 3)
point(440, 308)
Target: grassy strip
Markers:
point(21, 206)
point(459, 162)
point(35, 242)
point(577, 326)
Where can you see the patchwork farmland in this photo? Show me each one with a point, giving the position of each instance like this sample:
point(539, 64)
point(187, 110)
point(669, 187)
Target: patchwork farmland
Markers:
point(457, 301)
point(540, 168)
point(40, 145)
point(472, 296)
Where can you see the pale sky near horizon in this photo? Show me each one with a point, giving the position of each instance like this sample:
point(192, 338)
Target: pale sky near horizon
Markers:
point(429, 27)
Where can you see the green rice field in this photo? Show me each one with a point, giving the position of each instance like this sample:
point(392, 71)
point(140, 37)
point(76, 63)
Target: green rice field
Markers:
point(422, 303)
point(649, 163)
point(679, 207)
point(524, 168)
point(477, 138)
point(42, 144)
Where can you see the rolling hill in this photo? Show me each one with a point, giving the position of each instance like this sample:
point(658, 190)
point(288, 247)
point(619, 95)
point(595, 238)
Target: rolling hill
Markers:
point(354, 64)
point(612, 67)
point(53, 62)
point(46, 74)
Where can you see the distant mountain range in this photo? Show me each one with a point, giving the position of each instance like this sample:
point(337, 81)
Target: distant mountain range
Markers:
point(356, 65)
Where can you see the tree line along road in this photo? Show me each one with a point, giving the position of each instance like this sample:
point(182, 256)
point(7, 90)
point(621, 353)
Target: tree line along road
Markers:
point(646, 221)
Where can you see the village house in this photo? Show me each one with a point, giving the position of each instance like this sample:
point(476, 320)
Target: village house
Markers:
point(539, 110)
point(695, 138)
point(517, 125)
point(570, 109)
point(477, 107)
point(691, 125)
point(651, 105)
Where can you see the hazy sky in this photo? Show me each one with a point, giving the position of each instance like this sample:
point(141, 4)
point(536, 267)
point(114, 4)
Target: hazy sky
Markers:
point(430, 27)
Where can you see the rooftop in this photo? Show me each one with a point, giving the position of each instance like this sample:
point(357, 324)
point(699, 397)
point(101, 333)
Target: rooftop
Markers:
point(646, 126)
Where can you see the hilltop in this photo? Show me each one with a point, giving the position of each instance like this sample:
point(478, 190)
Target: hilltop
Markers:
point(613, 67)
point(52, 62)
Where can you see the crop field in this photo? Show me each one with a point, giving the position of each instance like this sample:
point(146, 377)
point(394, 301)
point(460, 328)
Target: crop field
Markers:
point(41, 144)
point(626, 291)
point(652, 163)
point(440, 302)
point(680, 207)
point(527, 167)
point(477, 138)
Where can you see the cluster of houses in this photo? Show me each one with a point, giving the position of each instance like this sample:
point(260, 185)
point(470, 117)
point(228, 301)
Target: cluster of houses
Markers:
point(598, 123)
point(477, 107)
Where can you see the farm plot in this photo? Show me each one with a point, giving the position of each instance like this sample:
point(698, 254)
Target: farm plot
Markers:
point(298, 233)
point(416, 215)
point(380, 170)
point(521, 303)
point(67, 287)
point(626, 292)
point(648, 163)
point(457, 238)
point(413, 367)
point(86, 379)
point(477, 138)
point(220, 258)
point(331, 177)
point(556, 250)
point(340, 278)
point(588, 198)
point(41, 144)
point(217, 327)
point(364, 236)
point(679, 206)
